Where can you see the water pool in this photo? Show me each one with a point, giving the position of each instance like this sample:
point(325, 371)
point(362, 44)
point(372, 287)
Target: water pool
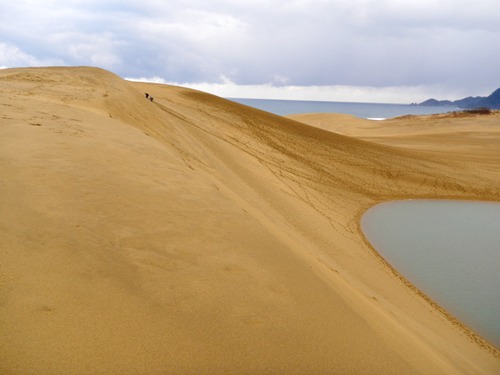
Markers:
point(448, 249)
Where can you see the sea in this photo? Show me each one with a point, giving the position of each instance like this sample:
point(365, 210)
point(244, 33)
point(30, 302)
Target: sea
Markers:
point(373, 111)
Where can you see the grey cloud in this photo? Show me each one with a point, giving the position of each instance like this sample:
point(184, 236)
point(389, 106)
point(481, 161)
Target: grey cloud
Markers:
point(301, 42)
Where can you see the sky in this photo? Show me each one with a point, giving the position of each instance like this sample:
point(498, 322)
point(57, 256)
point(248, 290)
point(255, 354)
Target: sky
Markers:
point(386, 51)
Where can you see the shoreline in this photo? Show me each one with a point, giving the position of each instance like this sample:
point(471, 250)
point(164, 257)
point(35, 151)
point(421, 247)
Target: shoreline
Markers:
point(365, 110)
point(470, 332)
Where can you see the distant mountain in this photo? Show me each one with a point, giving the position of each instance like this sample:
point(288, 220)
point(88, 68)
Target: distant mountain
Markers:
point(492, 102)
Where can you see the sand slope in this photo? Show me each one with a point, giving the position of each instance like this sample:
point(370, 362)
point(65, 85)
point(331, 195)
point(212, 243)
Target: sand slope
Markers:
point(195, 235)
point(457, 133)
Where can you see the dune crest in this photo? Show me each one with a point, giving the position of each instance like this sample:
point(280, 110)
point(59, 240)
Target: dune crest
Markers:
point(192, 234)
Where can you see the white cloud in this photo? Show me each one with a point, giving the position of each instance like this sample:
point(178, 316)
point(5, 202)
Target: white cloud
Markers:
point(93, 49)
point(13, 56)
point(150, 80)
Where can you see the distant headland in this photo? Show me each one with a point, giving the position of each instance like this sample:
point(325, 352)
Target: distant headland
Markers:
point(492, 102)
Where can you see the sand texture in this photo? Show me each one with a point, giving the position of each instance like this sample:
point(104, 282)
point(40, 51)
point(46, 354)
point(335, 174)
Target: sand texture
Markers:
point(193, 235)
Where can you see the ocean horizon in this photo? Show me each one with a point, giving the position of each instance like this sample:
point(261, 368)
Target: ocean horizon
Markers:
point(375, 111)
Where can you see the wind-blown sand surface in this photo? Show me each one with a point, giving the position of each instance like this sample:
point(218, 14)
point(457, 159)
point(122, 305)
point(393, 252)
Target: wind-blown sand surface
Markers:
point(196, 235)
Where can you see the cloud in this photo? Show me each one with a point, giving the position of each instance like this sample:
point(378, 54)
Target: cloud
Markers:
point(366, 43)
point(13, 56)
point(150, 80)
point(267, 43)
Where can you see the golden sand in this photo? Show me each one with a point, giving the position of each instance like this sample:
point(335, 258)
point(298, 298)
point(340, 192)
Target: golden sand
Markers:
point(195, 235)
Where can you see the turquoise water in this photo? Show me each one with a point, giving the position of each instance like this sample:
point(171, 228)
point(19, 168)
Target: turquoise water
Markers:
point(448, 249)
point(362, 110)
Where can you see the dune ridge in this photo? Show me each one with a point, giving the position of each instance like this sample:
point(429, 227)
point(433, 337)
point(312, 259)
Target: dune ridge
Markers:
point(192, 234)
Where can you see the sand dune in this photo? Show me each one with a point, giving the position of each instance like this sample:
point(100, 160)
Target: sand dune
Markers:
point(196, 235)
point(457, 133)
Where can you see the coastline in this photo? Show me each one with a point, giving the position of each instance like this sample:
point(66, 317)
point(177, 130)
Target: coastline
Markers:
point(358, 109)
point(254, 261)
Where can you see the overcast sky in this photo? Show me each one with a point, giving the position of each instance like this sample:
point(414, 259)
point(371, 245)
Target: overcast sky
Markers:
point(341, 50)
